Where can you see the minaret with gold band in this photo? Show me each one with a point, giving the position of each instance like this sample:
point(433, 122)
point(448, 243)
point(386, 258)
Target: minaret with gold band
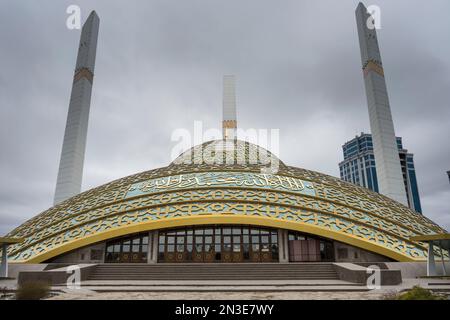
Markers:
point(229, 123)
point(70, 171)
point(389, 171)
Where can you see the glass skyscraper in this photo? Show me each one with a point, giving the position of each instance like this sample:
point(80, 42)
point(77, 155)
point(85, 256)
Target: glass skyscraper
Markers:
point(359, 168)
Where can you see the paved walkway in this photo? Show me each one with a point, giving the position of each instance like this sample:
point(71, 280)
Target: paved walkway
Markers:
point(246, 290)
point(221, 289)
point(219, 296)
point(9, 284)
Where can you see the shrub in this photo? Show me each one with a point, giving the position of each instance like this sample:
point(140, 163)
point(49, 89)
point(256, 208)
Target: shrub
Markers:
point(419, 293)
point(3, 292)
point(33, 290)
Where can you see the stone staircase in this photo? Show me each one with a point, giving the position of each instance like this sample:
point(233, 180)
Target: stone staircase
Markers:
point(232, 271)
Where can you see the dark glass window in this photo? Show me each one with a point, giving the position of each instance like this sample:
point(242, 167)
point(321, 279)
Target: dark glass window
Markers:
point(218, 244)
point(120, 249)
point(198, 240)
point(126, 246)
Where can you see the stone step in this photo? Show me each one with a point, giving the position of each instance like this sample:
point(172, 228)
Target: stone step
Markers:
point(222, 273)
point(209, 277)
point(216, 268)
point(222, 283)
point(238, 271)
point(150, 277)
point(258, 265)
point(213, 269)
point(331, 287)
point(213, 272)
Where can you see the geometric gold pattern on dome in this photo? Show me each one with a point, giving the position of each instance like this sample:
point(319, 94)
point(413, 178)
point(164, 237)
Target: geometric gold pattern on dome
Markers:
point(295, 199)
point(227, 152)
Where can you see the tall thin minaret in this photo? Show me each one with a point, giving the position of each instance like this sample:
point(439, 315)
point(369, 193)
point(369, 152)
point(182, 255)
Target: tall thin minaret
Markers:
point(72, 155)
point(389, 171)
point(229, 123)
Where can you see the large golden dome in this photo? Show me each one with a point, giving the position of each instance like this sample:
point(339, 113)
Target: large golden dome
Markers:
point(186, 193)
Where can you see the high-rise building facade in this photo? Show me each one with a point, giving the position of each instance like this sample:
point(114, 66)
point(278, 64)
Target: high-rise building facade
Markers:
point(70, 171)
point(390, 180)
point(359, 167)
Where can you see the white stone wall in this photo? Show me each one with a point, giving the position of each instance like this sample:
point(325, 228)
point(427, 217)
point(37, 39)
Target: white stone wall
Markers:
point(354, 254)
point(82, 255)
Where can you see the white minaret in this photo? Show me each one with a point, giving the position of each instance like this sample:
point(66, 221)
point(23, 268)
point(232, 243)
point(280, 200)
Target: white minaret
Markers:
point(389, 172)
point(229, 123)
point(72, 156)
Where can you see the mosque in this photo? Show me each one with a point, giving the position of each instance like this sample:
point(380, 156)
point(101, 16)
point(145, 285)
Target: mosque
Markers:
point(199, 211)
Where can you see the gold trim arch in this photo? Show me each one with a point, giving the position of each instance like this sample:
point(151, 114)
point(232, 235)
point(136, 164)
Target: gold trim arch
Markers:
point(208, 220)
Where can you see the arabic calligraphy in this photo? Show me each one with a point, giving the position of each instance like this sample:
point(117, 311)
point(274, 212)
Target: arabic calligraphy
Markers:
point(224, 179)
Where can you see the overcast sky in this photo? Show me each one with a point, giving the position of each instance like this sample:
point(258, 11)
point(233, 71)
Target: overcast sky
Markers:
point(160, 65)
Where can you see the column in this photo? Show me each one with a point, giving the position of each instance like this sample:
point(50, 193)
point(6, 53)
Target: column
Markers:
point(152, 252)
point(4, 266)
point(448, 255)
point(70, 172)
point(283, 252)
point(229, 123)
point(431, 267)
point(387, 160)
point(150, 247)
point(444, 270)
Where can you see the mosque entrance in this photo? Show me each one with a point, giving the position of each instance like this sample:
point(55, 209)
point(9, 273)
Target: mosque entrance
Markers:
point(218, 243)
point(306, 248)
